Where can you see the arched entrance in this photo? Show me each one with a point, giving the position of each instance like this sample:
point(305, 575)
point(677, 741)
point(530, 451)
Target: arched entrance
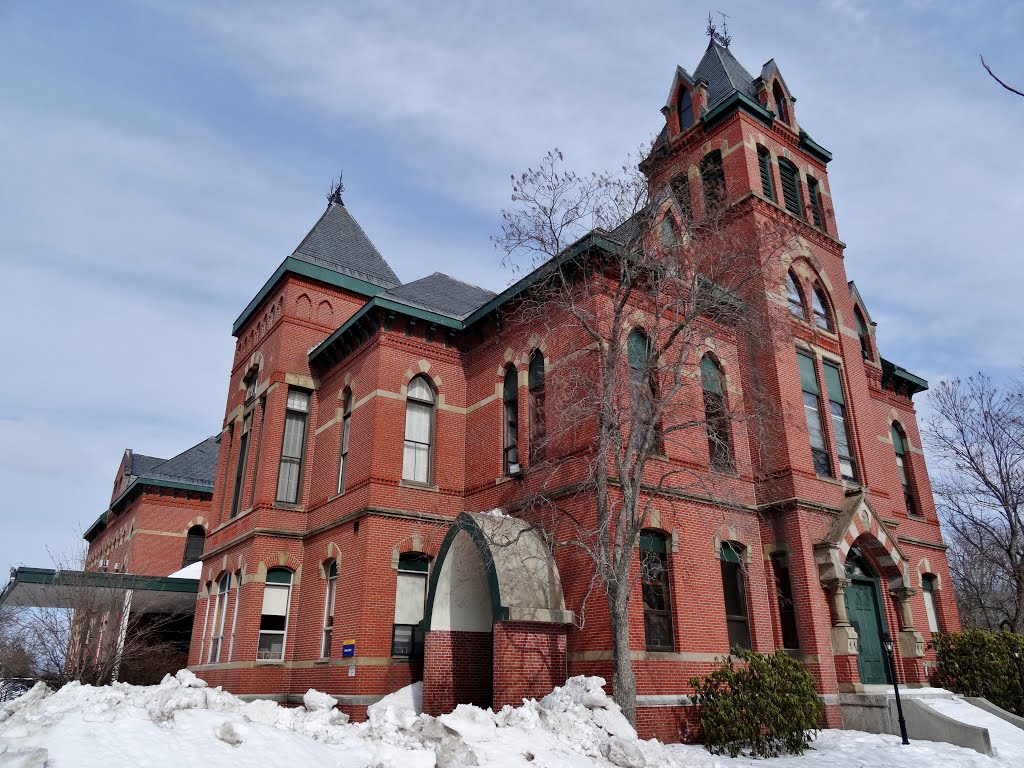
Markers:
point(864, 610)
point(496, 618)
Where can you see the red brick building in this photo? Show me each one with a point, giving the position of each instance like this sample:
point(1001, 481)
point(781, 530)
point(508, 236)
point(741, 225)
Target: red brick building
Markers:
point(365, 416)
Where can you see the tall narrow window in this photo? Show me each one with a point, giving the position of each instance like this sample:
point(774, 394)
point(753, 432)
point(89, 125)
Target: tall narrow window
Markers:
point(840, 422)
point(822, 317)
point(681, 192)
point(862, 334)
point(814, 192)
point(220, 609)
point(716, 418)
point(899, 443)
point(234, 615)
point(410, 600)
point(332, 580)
point(781, 108)
point(293, 447)
point(655, 589)
point(643, 430)
point(795, 297)
point(764, 162)
point(812, 413)
point(243, 457)
point(195, 541)
point(790, 187)
point(928, 587)
point(510, 400)
point(274, 616)
point(250, 384)
point(538, 426)
point(734, 588)
point(685, 109)
point(417, 457)
point(346, 422)
point(784, 595)
point(712, 176)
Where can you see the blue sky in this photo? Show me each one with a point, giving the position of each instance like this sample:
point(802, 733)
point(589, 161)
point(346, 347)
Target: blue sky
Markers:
point(158, 160)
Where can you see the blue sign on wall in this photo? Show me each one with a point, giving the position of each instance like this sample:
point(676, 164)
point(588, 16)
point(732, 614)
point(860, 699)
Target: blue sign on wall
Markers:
point(348, 648)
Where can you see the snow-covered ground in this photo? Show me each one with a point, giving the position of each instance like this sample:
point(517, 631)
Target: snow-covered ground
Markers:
point(182, 723)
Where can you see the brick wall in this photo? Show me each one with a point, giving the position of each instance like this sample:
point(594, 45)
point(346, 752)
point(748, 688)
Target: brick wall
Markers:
point(529, 660)
point(457, 670)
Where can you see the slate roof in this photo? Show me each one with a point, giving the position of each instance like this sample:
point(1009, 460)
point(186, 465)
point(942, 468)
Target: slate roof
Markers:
point(195, 466)
point(442, 294)
point(724, 75)
point(142, 463)
point(337, 242)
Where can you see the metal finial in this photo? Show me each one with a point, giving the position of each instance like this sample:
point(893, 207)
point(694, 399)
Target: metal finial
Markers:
point(337, 187)
point(722, 38)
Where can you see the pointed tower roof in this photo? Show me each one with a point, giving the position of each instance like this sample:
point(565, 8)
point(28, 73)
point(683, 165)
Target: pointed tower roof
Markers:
point(335, 251)
point(724, 75)
point(338, 243)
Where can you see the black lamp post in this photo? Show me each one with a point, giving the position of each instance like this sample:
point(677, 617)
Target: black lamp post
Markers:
point(891, 663)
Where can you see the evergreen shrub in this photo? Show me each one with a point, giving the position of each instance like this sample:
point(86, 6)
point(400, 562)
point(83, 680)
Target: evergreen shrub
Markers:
point(765, 706)
point(977, 662)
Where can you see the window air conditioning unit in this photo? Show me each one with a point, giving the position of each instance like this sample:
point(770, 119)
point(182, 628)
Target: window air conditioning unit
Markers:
point(515, 470)
point(104, 564)
point(117, 567)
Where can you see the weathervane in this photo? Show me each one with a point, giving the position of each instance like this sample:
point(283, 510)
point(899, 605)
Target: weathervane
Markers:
point(723, 38)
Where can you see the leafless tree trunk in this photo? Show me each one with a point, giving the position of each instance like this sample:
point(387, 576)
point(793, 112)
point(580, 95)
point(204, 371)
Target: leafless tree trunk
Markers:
point(977, 434)
point(629, 416)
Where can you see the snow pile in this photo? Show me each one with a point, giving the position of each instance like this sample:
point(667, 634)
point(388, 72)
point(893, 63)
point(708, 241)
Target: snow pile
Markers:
point(183, 722)
point(190, 571)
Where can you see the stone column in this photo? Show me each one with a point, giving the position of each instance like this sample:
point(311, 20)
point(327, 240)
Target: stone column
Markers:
point(844, 636)
point(911, 641)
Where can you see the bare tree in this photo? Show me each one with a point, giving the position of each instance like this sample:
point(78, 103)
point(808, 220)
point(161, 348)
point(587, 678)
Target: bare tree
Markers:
point(88, 630)
point(633, 290)
point(996, 77)
point(977, 434)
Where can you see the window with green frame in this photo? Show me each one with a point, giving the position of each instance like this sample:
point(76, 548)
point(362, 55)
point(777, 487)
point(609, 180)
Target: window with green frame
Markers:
point(654, 583)
point(790, 177)
point(840, 422)
point(764, 162)
point(814, 192)
point(734, 589)
point(812, 414)
point(899, 445)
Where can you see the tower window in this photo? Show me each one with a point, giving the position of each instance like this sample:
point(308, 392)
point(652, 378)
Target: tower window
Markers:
point(712, 176)
point(822, 317)
point(195, 541)
point(346, 424)
point(734, 590)
point(814, 192)
point(781, 108)
point(685, 109)
point(862, 334)
point(716, 418)
point(899, 444)
point(790, 187)
point(243, 457)
point(644, 431)
point(764, 162)
point(812, 414)
point(794, 296)
point(293, 447)
point(840, 422)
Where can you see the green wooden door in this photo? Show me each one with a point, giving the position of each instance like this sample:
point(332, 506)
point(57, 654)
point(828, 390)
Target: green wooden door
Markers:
point(862, 608)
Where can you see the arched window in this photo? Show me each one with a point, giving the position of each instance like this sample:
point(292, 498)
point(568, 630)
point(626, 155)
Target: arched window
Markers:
point(654, 583)
point(250, 383)
point(716, 418)
point(814, 193)
point(781, 108)
point(685, 109)
point(928, 588)
point(643, 392)
point(812, 413)
point(410, 602)
point(243, 457)
point(538, 427)
point(274, 616)
point(418, 455)
point(510, 401)
point(794, 296)
point(822, 317)
point(331, 569)
point(293, 447)
point(234, 617)
point(346, 422)
point(734, 588)
point(840, 422)
point(899, 444)
point(862, 334)
point(195, 541)
point(764, 162)
point(712, 176)
point(668, 232)
point(220, 610)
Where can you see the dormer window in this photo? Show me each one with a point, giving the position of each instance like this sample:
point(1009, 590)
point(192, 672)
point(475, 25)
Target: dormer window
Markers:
point(685, 109)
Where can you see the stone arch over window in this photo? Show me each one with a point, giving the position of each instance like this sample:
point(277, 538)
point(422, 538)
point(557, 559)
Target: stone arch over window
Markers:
point(418, 450)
